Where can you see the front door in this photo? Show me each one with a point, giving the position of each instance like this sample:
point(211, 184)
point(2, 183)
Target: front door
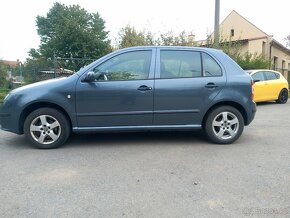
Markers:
point(122, 93)
point(260, 86)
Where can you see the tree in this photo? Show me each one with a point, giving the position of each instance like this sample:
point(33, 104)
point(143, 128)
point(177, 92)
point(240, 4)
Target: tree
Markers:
point(3, 74)
point(234, 50)
point(249, 61)
point(70, 32)
point(287, 41)
point(129, 36)
point(169, 39)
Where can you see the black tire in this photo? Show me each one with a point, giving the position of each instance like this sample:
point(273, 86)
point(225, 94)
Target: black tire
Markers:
point(46, 128)
point(224, 125)
point(283, 97)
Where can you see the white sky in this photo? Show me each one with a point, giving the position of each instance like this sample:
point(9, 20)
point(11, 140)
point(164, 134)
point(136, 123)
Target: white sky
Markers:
point(18, 27)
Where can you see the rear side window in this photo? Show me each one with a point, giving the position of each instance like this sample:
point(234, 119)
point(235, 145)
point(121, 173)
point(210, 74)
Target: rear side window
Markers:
point(271, 75)
point(180, 64)
point(210, 66)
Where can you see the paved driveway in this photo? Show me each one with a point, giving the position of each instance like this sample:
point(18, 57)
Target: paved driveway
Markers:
point(152, 174)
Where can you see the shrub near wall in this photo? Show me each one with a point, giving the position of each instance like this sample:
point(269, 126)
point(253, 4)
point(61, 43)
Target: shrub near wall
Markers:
point(252, 61)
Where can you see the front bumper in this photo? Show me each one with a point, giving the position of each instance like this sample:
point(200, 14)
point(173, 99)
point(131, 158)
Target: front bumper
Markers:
point(9, 119)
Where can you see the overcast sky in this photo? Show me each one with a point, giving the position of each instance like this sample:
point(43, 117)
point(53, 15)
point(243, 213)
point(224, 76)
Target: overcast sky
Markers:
point(18, 28)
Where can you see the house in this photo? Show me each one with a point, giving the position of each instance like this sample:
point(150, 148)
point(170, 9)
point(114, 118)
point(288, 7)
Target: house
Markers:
point(11, 66)
point(255, 41)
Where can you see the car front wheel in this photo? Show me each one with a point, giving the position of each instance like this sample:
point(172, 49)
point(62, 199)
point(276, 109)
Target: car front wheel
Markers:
point(46, 128)
point(224, 125)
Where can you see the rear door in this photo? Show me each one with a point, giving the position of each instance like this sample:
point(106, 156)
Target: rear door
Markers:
point(186, 82)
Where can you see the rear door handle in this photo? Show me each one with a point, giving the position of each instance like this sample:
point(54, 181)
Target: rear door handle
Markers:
point(144, 88)
point(210, 85)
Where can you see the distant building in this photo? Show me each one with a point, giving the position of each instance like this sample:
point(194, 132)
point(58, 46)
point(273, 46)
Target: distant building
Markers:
point(11, 66)
point(14, 72)
point(253, 40)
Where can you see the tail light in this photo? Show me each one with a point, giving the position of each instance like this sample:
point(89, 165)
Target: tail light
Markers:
point(253, 90)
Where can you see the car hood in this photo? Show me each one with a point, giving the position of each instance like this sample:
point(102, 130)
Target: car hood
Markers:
point(40, 85)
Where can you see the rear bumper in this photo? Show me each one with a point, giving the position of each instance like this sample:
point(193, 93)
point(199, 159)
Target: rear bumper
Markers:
point(251, 113)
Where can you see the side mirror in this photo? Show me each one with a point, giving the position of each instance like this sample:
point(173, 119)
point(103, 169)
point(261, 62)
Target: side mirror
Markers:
point(90, 77)
point(256, 80)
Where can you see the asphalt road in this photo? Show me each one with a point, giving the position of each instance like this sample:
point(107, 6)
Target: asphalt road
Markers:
point(163, 174)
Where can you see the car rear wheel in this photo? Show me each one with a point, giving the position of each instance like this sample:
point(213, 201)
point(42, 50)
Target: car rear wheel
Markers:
point(224, 125)
point(283, 97)
point(46, 128)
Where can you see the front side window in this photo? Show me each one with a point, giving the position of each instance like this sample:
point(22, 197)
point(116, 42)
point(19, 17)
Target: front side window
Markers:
point(259, 76)
point(128, 66)
point(210, 66)
point(180, 64)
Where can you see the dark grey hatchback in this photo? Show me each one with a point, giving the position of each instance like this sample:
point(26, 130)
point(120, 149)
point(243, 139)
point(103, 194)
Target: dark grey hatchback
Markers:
point(137, 89)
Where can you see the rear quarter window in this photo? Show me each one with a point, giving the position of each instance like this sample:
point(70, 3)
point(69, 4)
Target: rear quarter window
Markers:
point(210, 66)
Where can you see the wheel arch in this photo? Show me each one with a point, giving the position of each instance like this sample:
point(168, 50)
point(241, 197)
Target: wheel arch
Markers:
point(233, 104)
point(37, 105)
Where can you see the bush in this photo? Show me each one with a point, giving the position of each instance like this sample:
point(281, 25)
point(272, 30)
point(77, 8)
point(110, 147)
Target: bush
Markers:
point(3, 93)
point(252, 61)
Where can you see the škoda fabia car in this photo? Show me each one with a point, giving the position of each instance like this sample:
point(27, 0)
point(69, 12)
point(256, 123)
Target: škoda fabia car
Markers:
point(136, 89)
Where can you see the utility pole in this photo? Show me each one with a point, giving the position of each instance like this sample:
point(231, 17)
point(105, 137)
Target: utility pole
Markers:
point(54, 64)
point(217, 23)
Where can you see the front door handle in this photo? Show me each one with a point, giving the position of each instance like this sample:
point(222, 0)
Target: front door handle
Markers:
point(210, 85)
point(144, 88)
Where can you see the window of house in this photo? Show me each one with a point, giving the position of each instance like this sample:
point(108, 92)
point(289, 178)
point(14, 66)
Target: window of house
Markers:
point(180, 64)
point(264, 49)
point(232, 32)
point(128, 66)
point(275, 64)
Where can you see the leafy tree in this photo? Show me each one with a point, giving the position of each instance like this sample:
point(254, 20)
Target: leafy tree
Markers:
point(287, 41)
point(3, 74)
point(245, 60)
point(252, 61)
point(170, 39)
point(129, 36)
point(70, 32)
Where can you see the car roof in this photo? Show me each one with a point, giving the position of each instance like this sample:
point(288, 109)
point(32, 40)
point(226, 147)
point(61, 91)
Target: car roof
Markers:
point(173, 47)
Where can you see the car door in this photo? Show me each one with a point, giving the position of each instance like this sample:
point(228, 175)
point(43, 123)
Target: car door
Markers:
point(260, 86)
point(273, 85)
point(121, 94)
point(187, 81)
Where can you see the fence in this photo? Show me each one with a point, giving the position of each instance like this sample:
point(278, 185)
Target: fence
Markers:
point(59, 67)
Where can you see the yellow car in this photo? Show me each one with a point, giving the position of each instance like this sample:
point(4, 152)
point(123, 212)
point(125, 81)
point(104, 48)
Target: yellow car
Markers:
point(269, 85)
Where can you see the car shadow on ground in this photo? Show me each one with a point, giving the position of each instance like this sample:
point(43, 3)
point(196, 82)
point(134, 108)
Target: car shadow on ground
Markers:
point(163, 138)
point(137, 138)
point(268, 103)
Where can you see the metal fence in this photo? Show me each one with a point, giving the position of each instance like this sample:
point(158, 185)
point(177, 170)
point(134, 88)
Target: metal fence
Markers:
point(58, 68)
